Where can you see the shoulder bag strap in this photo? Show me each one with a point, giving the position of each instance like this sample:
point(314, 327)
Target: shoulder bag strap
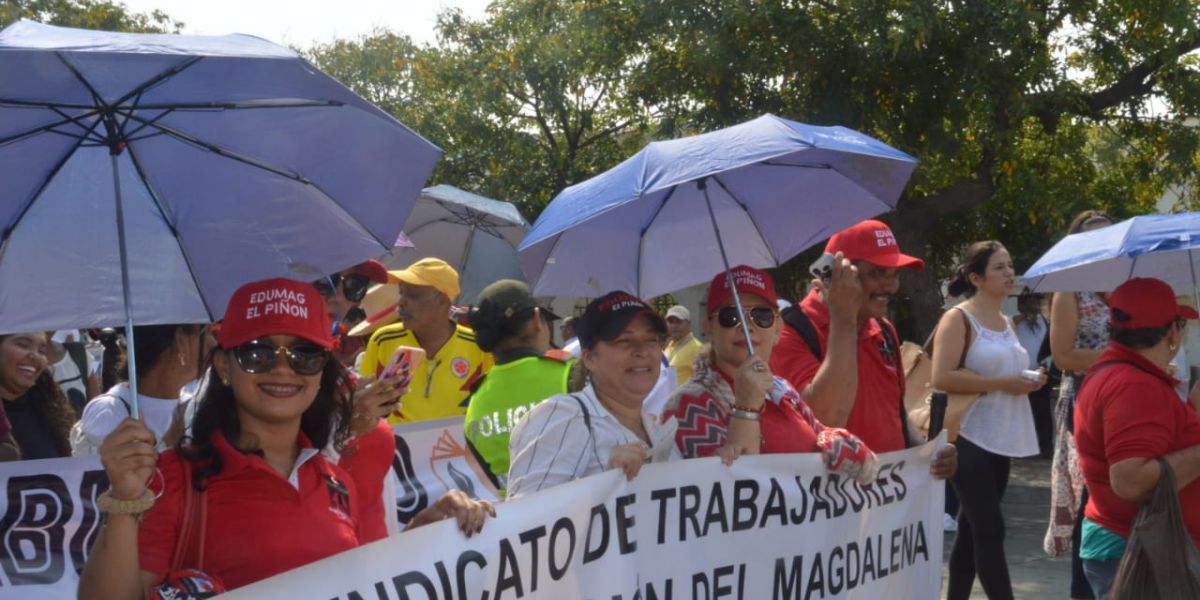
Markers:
point(587, 422)
point(962, 360)
point(195, 508)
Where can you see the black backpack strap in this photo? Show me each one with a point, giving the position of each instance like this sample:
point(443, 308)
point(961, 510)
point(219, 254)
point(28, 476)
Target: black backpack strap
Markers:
point(794, 317)
point(892, 345)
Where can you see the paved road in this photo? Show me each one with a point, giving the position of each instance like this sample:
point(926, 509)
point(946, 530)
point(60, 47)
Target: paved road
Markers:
point(1035, 575)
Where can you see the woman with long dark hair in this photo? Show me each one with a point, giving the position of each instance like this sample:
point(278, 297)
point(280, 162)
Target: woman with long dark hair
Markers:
point(997, 427)
point(253, 463)
point(40, 416)
point(168, 356)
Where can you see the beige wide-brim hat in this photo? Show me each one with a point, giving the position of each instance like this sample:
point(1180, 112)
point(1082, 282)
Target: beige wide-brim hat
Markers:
point(380, 306)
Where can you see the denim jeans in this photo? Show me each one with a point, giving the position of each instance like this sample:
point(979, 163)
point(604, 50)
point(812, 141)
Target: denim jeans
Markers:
point(1100, 574)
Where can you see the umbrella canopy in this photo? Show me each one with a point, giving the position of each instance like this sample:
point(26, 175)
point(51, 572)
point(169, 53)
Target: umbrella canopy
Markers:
point(1165, 247)
point(214, 160)
point(476, 235)
point(650, 224)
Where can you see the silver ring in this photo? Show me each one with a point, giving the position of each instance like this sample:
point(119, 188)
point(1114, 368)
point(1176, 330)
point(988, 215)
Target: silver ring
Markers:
point(759, 367)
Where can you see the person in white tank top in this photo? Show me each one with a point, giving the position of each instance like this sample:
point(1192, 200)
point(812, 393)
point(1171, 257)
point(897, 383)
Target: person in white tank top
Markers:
point(997, 427)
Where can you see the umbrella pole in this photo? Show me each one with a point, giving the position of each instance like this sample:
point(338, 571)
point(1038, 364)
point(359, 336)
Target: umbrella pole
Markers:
point(737, 299)
point(130, 354)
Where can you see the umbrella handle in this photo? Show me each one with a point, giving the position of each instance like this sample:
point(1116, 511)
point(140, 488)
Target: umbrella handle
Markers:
point(702, 184)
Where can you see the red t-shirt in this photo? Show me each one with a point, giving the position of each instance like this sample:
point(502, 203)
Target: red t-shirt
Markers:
point(704, 421)
point(875, 418)
point(1127, 411)
point(259, 525)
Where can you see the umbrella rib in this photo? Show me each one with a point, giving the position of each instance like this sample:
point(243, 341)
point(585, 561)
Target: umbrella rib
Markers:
point(771, 163)
point(74, 120)
point(7, 234)
point(245, 105)
point(15, 103)
point(159, 78)
point(171, 224)
point(218, 150)
point(99, 102)
point(746, 209)
point(642, 234)
point(44, 128)
point(129, 137)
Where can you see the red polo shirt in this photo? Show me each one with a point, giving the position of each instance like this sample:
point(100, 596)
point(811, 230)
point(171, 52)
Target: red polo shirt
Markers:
point(259, 524)
point(1127, 411)
point(875, 417)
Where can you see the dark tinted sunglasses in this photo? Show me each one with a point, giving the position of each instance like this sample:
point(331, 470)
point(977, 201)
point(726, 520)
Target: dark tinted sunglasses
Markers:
point(354, 286)
point(761, 316)
point(258, 356)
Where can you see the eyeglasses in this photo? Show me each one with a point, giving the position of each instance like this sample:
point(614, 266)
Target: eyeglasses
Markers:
point(258, 356)
point(761, 316)
point(354, 285)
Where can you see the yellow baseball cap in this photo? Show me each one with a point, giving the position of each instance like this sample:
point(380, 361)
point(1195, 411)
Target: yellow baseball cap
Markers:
point(431, 272)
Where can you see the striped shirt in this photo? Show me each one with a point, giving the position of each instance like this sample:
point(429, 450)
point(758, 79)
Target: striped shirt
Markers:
point(552, 444)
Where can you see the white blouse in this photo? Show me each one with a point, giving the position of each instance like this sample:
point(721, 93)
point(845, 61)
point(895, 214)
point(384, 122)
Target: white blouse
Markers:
point(998, 421)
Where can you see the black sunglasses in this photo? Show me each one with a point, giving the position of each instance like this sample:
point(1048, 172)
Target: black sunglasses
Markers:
point(354, 285)
point(258, 356)
point(761, 316)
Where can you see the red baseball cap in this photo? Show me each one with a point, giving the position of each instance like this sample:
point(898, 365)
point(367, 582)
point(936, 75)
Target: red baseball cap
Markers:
point(275, 307)
point(748, 280)
point(373, 270)
point(1146, 302)
point(874, 242)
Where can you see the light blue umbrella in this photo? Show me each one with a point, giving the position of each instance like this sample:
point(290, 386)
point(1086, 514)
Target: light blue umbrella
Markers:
point(680, 211)
point(477, 236)
point(1165, 247)
point(143, 178)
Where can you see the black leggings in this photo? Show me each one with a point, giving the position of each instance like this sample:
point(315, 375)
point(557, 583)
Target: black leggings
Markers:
point(979, 546)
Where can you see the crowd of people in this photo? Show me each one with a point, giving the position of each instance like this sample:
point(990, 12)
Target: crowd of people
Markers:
point(273, 417)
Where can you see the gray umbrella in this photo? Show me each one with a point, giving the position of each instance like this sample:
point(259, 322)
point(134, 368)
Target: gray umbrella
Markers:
point(476, 235)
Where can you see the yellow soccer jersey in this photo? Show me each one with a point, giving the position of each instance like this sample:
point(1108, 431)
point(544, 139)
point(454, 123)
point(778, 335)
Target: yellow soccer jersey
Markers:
point(441, 384)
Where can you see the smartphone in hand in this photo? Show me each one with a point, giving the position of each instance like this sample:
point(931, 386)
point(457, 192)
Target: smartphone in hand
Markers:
point(406, 359)
point(822, 268)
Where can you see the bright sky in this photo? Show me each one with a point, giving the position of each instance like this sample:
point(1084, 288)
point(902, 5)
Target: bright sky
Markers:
point(301, 22)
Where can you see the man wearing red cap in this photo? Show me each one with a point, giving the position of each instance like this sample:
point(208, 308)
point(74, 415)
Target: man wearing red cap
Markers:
point(839, 347)
point(1127, 418)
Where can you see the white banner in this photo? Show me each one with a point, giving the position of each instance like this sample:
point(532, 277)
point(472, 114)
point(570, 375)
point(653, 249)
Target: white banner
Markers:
point(431, 458)
point(776, 526)
point(49, 522)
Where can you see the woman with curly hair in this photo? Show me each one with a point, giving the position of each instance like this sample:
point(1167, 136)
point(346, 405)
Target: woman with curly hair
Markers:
point(268, 499)
point(34, 405)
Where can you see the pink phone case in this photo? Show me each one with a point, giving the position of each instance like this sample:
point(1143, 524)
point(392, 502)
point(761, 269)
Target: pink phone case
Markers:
point(404, 356)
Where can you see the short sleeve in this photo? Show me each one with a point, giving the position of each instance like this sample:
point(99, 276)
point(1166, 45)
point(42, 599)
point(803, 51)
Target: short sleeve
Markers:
point(368, 462)
point(792, 360)
point(160, 526)
point(100, 417)
point(548, 446)
point(370, 358)
point(1138, 423)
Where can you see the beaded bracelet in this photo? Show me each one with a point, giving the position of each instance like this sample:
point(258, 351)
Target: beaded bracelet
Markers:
point(111, 505)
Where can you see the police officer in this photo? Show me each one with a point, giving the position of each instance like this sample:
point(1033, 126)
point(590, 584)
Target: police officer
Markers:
point(510, 324)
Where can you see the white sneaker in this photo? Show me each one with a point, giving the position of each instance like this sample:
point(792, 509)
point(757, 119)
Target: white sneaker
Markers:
point(949, 523)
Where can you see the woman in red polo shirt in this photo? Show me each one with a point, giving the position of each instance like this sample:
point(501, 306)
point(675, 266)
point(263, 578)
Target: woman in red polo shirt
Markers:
point(269, 500)
point(733, 405)
point(1127, 416)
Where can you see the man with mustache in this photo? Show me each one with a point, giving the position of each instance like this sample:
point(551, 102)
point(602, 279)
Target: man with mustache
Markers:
point(453, 361)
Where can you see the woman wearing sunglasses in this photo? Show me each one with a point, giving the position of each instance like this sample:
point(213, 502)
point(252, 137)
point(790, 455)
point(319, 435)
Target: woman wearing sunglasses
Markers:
point(268, 500)
point(733, 405)
point(343, 293)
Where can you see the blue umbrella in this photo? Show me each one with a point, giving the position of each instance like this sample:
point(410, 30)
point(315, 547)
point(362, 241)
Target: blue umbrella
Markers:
point(1165, 247)
point(679, 211)
point(143, 178)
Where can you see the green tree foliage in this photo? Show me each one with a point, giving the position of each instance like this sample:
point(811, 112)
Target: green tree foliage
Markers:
point(87, 14)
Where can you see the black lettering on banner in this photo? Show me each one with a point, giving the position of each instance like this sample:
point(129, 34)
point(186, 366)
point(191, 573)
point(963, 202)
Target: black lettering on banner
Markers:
point(444, 579)
point(881, 483)
point(700, 582)
point(92, 484)
point(816, 578)
point(411, 497)
point(797, 516)
point(561, 525)
point(689, 505)
point(902, 488)
point(787, 578)
point(853, 566)
point(745, 492)
point(652, 592)
point(873, 498)
point(895, 551)
point(508, 563)
point(661, 497)
point(836, 494)
point(464, 559)
point(33, 549)
point(880, 571)
point(625, 521)
point(409, 579)
point(819, 501)
point(868, 563)
point(380, 592)
point(716, 511)
point(837, 570)
point(591, 553)
point(858, 501)
point(775, 505)
point(531, 537)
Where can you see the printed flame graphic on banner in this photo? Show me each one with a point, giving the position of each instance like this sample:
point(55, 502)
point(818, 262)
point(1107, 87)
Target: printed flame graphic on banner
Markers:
point(450, 463)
